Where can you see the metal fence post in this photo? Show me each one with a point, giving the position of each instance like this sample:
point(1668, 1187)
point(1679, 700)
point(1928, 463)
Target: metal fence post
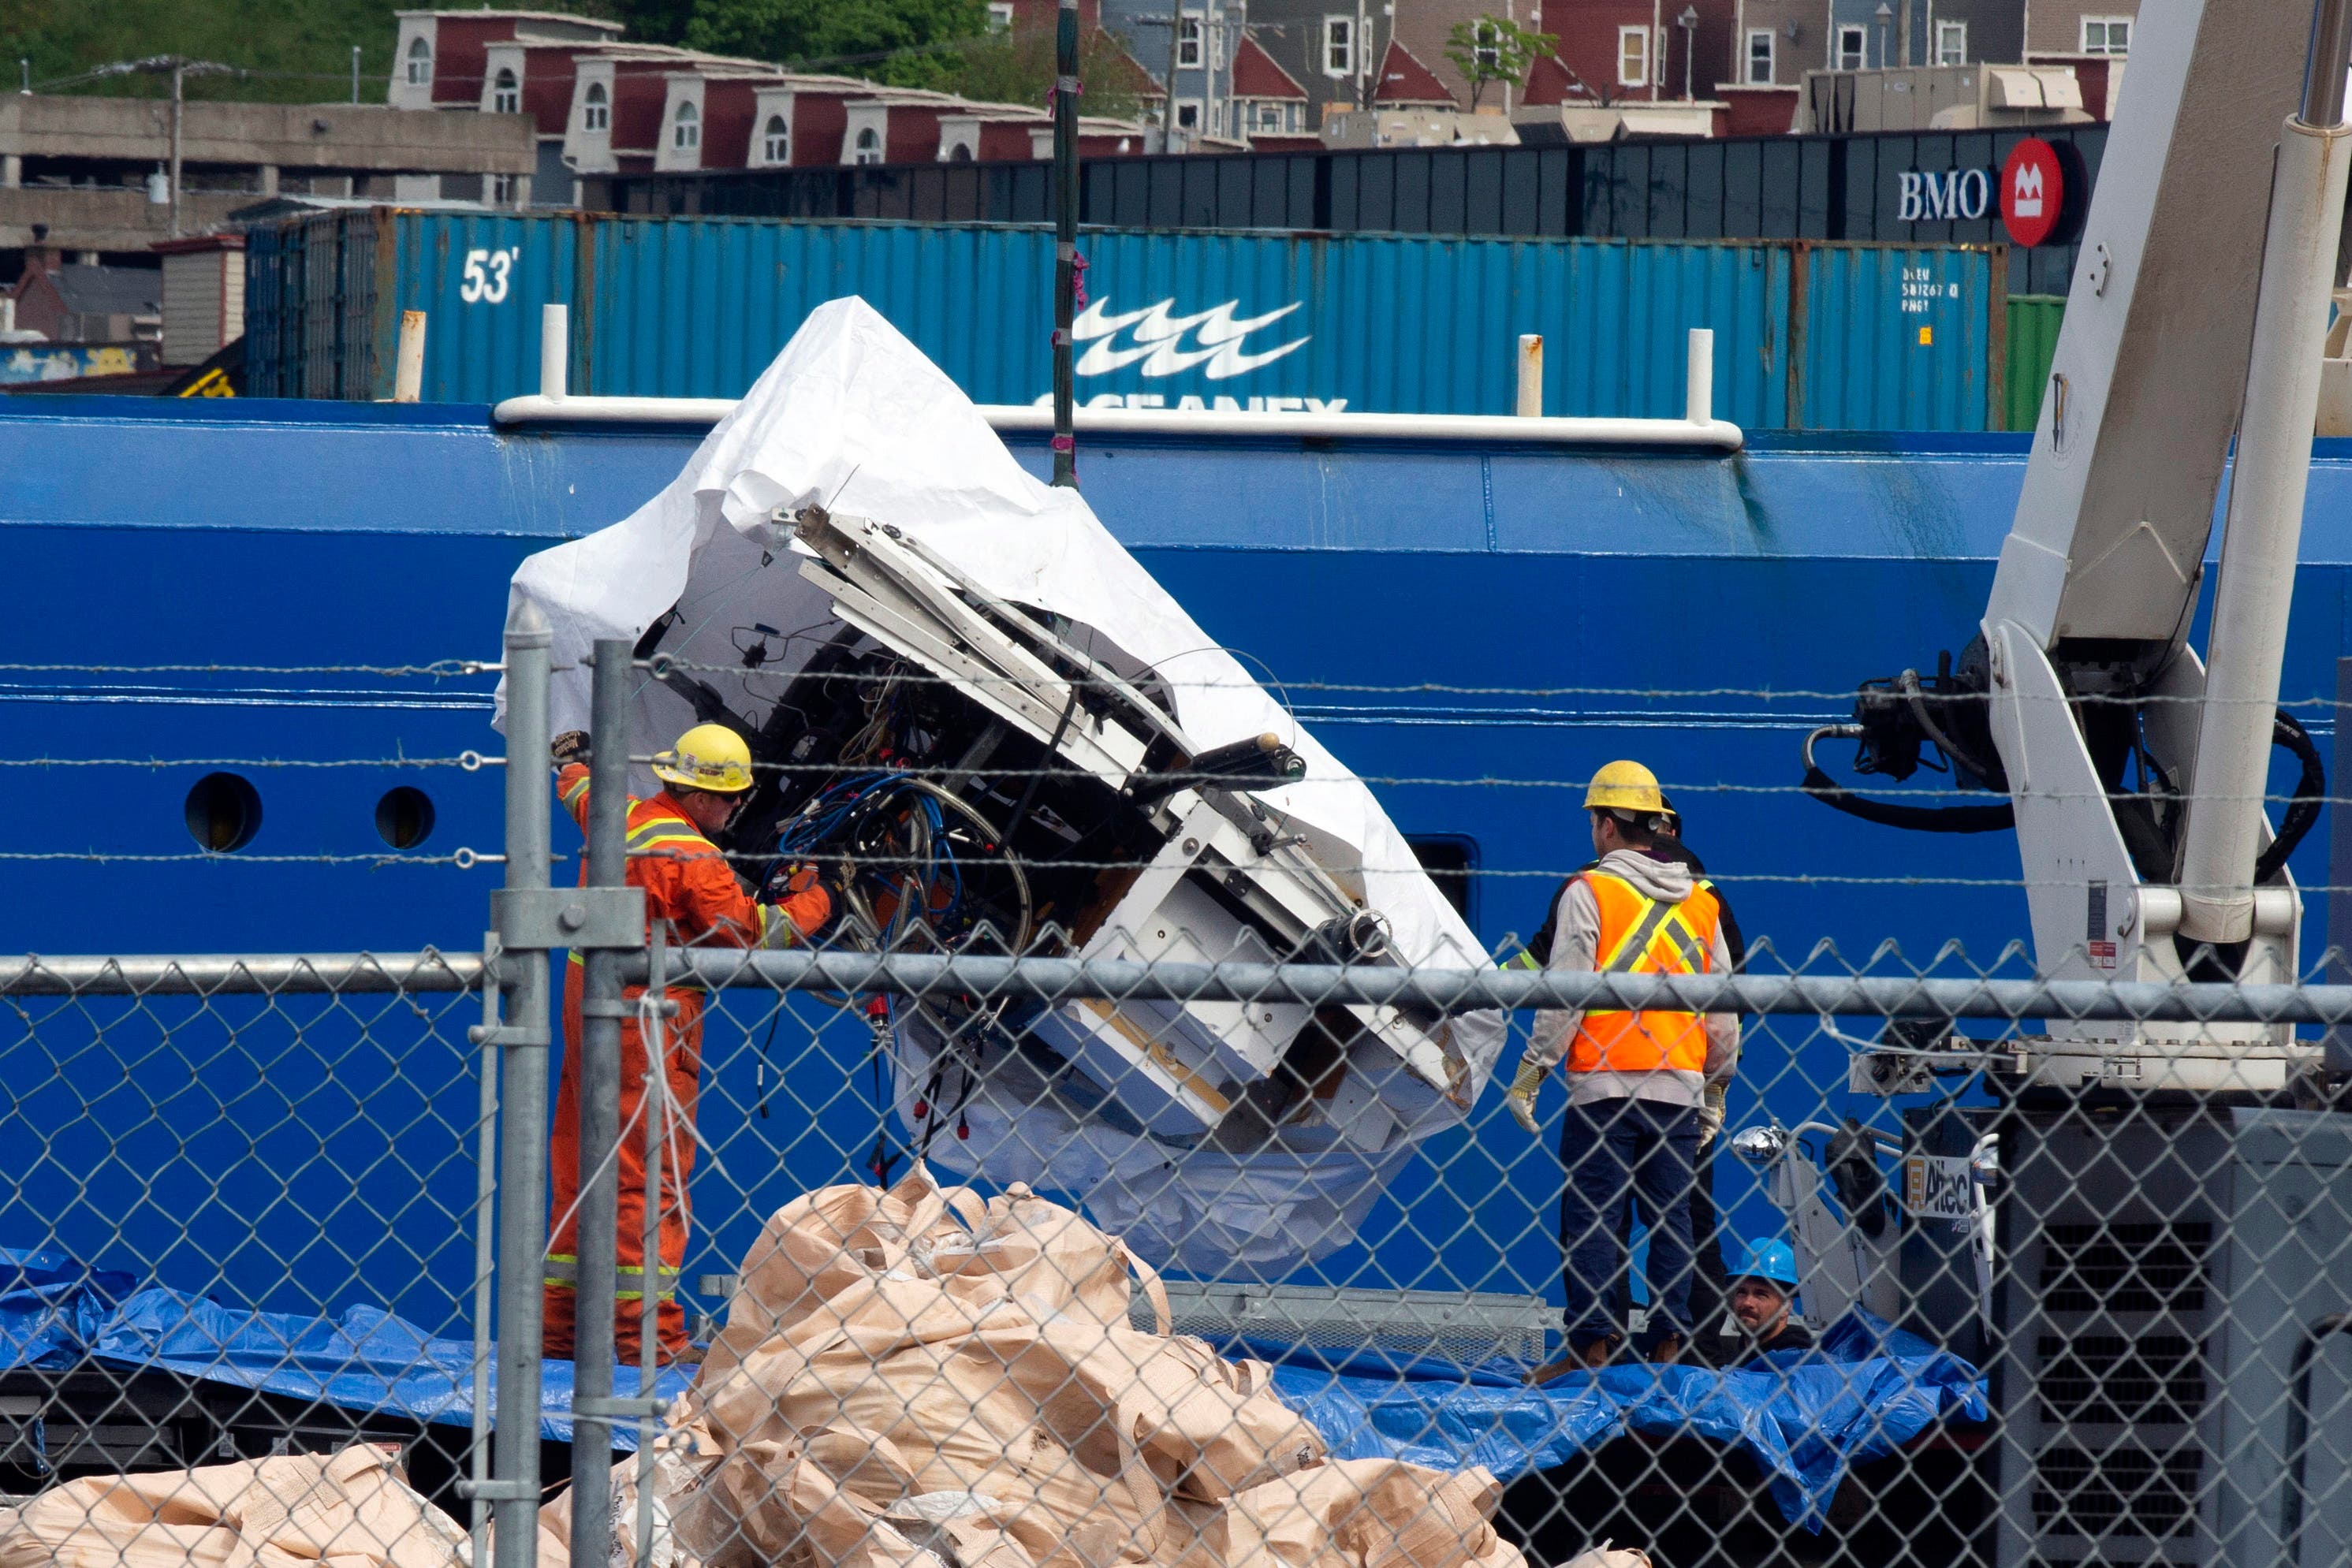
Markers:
point(601, 1010)
point(523, 1160)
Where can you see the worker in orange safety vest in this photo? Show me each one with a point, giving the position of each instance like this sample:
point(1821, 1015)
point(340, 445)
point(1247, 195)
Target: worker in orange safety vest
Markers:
point(688, 884)
point(1642, 1086)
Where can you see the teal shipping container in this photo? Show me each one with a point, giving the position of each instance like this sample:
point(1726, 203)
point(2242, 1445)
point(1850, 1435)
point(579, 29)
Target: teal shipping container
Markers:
point(1807, 335)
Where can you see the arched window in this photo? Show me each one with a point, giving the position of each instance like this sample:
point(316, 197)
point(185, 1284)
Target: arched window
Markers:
point(776, 141)
point(869, 146)
point(506, 93)
point(962, 153)
point(686, 130)
point(595, 108)
point(420, 64)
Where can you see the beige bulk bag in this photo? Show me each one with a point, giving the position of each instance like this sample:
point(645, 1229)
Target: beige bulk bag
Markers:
point(1359, 1513)
point(1042, 1251)
point(352, 1509)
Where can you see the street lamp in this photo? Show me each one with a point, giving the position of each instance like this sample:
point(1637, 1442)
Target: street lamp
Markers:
point(1885, 17)
point(1688, 23)
point(179, 67)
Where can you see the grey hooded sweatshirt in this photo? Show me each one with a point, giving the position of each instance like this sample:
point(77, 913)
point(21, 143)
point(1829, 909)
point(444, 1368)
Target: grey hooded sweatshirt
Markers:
point(1575, 940)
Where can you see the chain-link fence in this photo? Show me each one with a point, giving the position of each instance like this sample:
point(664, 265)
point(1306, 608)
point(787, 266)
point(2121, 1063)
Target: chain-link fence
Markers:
point(1020, 1193)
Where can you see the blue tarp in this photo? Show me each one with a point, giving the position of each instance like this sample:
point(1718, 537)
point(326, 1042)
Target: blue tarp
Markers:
point(1805, 1417)
point(55, 1312)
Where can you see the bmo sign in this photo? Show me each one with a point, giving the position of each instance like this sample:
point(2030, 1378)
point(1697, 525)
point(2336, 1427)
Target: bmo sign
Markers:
point(2031, 191)
point(1940, 198)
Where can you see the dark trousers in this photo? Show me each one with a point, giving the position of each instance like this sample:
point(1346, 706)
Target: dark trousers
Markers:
point(1711, 1292)
point(1617, 1154)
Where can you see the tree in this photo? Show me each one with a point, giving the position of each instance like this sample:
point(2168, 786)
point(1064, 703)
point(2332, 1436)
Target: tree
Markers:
point(1491, 49)
point(905, 43)
point(1017, 66)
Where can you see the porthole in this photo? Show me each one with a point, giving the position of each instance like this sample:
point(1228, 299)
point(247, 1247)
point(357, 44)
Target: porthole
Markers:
point(404, 817)
point(223, 812)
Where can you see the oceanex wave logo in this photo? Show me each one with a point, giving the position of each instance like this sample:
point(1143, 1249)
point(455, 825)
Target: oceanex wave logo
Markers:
point(1155, 342)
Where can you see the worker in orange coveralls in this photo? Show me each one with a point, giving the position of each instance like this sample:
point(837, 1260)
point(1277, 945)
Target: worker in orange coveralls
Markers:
point(687, 883)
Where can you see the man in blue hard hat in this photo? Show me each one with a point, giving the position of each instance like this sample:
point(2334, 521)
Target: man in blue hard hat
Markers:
point(1763, 1289)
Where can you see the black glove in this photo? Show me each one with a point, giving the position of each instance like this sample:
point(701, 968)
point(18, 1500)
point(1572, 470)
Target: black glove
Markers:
point(568, 747)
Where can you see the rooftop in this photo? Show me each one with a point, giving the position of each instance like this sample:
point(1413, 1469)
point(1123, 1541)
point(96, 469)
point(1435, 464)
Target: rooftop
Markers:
point(109, 290)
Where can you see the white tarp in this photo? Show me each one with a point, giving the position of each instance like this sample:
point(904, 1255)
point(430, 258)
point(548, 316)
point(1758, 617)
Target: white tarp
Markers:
point(853, 416)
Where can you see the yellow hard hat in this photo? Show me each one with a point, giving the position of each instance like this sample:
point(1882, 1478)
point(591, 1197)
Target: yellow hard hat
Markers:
point(1623, 787)
point(709, 756)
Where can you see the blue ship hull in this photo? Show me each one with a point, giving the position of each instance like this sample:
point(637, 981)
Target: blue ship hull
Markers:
point(1468, 628)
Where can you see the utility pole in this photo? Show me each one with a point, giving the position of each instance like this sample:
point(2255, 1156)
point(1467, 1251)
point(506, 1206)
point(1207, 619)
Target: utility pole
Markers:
point(1066, 240)
point(1688, 23)
point(1175, 56)
point(179, 67)
point(179, 103)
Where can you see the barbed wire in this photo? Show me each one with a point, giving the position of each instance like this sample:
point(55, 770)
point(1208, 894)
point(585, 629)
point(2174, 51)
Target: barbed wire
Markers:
point(467, 761)
point(439, 668)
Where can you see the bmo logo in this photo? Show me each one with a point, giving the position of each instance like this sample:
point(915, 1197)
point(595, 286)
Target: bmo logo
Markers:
point(2032, 191)
point(1940, 198)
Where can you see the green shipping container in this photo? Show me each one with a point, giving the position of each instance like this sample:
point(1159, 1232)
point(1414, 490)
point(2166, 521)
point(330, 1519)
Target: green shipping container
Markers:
point(2033, 321)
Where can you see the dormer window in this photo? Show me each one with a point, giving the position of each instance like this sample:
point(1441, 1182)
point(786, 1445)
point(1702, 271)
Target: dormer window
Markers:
point(595, 108)
point(506, 93)
point(686, 128)
point(420, 64)
point(776, 141)
point(869, 146)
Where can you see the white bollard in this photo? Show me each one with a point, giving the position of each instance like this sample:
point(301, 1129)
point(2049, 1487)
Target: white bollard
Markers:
point(554, 349)
point(1531, 376)
point(408, 370)
point(1698, 387)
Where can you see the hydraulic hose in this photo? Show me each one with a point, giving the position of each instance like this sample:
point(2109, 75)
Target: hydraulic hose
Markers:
point(2302, 812)
point(1886, 814)
point(2303, 808)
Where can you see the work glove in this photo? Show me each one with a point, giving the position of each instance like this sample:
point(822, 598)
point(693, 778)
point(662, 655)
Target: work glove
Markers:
point(1524, 1089)
point(568, 747)
point(796, 891)
point(1710, 1116)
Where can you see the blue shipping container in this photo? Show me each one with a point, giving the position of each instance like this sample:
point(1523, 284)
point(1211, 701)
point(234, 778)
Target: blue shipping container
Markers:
point(1806, 334)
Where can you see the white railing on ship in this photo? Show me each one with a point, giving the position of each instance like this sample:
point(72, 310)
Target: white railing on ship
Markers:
point(1698, 429)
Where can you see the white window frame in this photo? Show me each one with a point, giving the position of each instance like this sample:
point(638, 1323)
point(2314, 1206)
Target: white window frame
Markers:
point(1188, 37)
point(1853, 45)
point(1486, 42)
point(1633, 56)
point(999, 16)
point(1188, 115)
point(867, 148)
point(503, 188)
point(1265, 117)
point(1339, 46)
point(1951, 43)
point(1770, 60)
point(686, 128)
point(595, 108)
point(505, 92)
point(776, 139)
point(420, 63)
point(2108, 27)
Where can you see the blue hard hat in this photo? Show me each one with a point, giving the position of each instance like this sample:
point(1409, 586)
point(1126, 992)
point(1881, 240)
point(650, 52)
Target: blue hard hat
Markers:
point(1773, 1260)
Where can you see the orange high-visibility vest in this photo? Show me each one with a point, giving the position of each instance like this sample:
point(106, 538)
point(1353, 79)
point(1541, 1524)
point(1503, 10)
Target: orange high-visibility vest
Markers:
point(1641, 935)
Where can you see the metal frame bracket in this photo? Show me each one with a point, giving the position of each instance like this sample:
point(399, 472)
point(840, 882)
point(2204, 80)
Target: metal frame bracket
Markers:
point(539, 918)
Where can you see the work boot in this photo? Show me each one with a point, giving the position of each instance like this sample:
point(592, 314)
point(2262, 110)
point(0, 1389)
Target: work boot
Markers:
point(1667, 1350)
point(1552, 1369)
